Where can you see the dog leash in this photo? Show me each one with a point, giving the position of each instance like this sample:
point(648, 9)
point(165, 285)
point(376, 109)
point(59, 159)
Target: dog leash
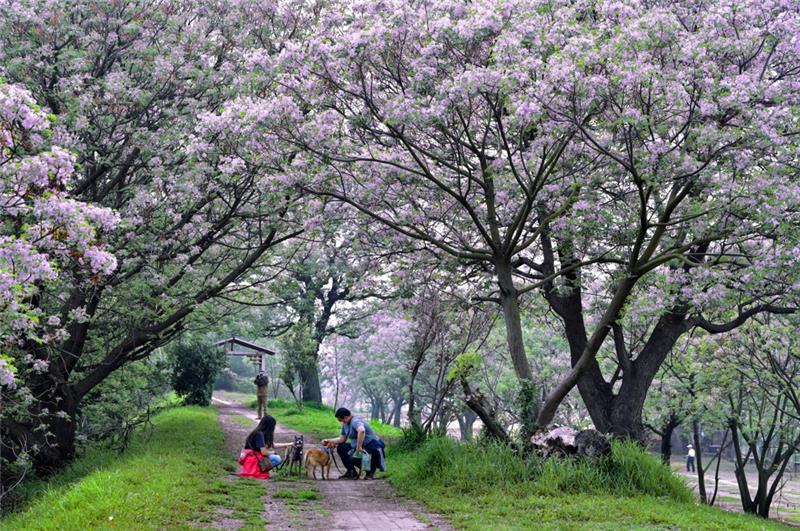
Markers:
point(283, 462)
point(289, 456)
point(333, 457)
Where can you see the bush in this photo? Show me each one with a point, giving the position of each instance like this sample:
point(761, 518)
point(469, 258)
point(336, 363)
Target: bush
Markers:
point(195, 366)
point(463, 467)
point(635, 471)
point(123, 400)
point(471, 468)
point(413, 437)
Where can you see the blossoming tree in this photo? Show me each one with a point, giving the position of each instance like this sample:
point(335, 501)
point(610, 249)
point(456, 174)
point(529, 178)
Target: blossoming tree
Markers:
point(691, 112)
point(136, 91)
point(411, 118)
point(46, 237)
point(634, 163)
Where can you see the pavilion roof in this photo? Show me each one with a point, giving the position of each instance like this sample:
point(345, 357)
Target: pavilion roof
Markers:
point(246, 344)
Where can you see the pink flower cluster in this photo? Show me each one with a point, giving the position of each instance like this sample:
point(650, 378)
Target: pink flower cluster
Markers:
point(46, 234)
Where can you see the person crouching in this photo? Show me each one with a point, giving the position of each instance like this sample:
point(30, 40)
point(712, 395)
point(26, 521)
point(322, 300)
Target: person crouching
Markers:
point(260, 444)
point(362, 438)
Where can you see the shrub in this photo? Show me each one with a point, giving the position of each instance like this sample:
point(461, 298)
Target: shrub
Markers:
point(635, 471)
point(195, 366)
point(466, 467)
point(413, 437)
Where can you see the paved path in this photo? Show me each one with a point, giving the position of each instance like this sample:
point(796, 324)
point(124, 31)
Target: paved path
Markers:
point(343, 504)
point(785, 506)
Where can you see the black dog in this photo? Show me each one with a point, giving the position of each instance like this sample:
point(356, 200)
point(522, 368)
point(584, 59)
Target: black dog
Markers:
point(294, 454)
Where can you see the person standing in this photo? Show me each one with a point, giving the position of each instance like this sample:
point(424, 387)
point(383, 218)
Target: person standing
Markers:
point(362, 438)
point(690, 459)
point(261, 382)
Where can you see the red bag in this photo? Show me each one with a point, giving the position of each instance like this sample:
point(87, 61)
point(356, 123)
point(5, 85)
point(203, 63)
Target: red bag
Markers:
point(250, 465)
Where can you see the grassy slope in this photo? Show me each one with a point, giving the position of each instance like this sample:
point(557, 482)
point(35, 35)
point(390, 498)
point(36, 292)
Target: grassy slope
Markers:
point(170, 480)
point(486, 488)
point(476, 489)
point(507, 509)
point(158, 483)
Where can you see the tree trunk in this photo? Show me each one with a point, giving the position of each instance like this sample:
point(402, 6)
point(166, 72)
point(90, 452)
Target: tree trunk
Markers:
point(666, 438)
point(335, 379)
point(716, 470)
point(398, 407)
point(625, 420)
point(509, 300)
point(309, 375)
point(54, 456)
point(587, 361)
point(621, 414)
point(617, 414)
point(413, 415)
point(477, 403)
point(336, 394)
point(443, 421)
point(748, 505)
point(763, 506)
point(698, 461)
point(596, 393)
point(760, 500)
point(56, 442)
point(466, 424)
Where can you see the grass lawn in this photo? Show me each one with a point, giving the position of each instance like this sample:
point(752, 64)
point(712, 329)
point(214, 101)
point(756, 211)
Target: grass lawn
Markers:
point(513, 508)
point(485, 487)
point(175, 479)
point(479, 489)
point(313, 419)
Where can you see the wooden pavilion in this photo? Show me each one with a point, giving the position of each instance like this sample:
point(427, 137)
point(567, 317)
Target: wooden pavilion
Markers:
point(236, 346)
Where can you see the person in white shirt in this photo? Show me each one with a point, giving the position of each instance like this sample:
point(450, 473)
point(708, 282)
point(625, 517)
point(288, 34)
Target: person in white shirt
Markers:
point(690, 459)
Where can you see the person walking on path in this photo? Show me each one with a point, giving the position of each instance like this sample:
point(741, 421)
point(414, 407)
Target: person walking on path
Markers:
point(261, 382)
point(259, 444)
point(361, 438)
point(690, 459)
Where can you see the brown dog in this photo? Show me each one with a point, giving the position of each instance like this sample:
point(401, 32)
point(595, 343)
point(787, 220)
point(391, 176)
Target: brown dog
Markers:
point(318, 458)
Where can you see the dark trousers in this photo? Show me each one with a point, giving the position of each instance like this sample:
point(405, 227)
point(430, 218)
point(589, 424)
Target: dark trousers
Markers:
point(262, 405)
point(343, 449)
point(690, 464)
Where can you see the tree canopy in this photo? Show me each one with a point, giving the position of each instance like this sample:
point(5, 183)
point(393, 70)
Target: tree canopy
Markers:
point(455, 209)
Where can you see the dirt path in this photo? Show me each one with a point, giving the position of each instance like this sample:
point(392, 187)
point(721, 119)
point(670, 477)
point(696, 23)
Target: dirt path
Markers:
point(300, 503)
point(276, 512)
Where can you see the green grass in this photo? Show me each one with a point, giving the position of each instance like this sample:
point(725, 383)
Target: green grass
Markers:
point(174, 479)
point(297, 494)
point(489, 487)
point(314, 419)
point(235, 396)
point(478, 487)
point(300, 500)
point(241, 420)
point(318, 420)
point(508, 510)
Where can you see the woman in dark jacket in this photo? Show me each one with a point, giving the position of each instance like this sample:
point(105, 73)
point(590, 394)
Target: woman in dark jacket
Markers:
point(260, 444)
